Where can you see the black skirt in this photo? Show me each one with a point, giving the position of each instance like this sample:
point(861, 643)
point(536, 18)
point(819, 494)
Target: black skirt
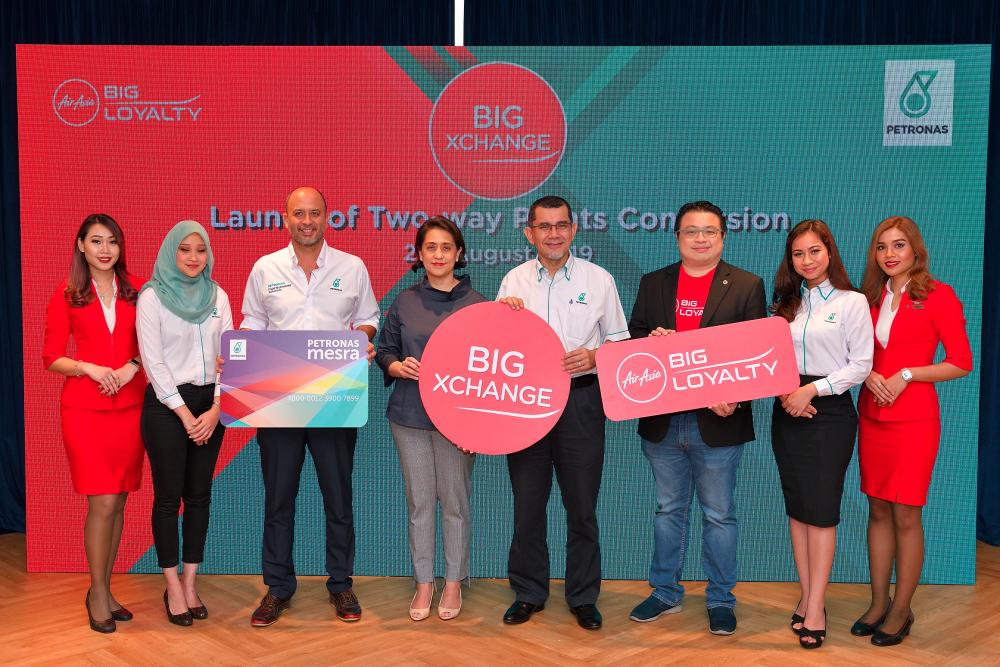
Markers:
point(813, 455)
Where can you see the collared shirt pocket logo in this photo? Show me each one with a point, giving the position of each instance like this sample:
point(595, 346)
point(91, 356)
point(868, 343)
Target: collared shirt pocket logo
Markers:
point(832, 318)
point(580, 299)
point(336, 285)
point(215, 312)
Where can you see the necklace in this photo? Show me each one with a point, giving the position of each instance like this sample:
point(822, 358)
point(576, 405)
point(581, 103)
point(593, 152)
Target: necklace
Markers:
point(105, 296)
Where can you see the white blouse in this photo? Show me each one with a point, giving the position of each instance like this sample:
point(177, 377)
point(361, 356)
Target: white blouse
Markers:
point(109, 311)
point(833, 338)
point(175, 351)
point(886, 314)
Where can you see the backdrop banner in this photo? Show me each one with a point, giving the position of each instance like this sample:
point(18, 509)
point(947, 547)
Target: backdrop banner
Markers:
point(391, 136)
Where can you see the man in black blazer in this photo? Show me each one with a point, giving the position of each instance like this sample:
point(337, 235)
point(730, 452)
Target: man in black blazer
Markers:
point(700, 449)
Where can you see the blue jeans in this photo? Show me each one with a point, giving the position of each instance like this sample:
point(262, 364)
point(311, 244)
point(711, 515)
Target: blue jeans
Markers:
point(682, 462)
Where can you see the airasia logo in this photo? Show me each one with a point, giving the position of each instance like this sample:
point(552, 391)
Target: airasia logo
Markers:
point(498, 131)
point(641, 377)
point(76, 102)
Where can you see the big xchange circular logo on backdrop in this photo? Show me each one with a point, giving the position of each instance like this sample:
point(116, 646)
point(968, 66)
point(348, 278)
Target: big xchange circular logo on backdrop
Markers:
point(76, 102)
point(491, 378)
point(498, 131)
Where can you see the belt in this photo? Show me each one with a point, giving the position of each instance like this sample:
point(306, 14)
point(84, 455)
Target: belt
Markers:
point(581, 381)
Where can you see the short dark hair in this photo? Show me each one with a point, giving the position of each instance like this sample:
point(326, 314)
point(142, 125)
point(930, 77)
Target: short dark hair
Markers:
point(445, 225)
point(702, 206)
point(549, 201)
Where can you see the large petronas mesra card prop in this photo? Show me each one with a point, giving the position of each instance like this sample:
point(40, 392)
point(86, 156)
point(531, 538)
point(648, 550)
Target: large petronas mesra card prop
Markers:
point(294, 378)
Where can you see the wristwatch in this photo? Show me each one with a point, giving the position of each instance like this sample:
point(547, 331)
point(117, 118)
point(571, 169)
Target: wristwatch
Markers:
point(906, 375)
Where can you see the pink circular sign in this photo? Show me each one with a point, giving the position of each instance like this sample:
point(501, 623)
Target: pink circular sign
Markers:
point(491, 378)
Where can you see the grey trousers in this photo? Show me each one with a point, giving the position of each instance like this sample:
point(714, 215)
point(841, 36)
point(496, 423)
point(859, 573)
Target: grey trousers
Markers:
point(436, 471)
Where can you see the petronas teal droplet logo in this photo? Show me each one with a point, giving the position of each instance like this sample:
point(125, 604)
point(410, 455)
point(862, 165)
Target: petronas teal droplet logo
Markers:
point(915, 101)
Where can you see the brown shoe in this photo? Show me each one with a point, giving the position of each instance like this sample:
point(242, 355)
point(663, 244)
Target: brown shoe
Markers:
point(348, 607)
point(268, 612)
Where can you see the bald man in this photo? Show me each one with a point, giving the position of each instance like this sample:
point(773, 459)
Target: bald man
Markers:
point(308, 285)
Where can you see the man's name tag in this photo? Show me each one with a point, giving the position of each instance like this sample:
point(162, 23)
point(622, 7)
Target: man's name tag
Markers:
point(294, 379)
point(695, 369)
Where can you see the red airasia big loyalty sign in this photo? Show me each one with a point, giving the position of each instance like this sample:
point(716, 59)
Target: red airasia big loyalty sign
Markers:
point(491, 378)
point(695, 369)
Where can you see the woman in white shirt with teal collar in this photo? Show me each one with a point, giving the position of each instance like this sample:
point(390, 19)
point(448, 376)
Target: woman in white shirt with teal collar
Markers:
point(814, 427)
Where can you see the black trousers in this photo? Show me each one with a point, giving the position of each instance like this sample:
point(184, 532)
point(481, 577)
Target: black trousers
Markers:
point(574, 448)
point(282, 453)
point(181, 470)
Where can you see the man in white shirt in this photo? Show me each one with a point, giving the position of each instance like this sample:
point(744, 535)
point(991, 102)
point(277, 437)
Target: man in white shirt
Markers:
point(308, 285)
point(580, 302)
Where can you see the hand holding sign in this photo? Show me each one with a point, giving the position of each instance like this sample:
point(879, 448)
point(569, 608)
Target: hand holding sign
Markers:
point(715, 366)
point(491, 378)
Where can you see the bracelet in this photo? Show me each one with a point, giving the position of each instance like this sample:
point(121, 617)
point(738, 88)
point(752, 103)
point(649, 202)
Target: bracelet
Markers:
point(76, 368)
point(135, 363)
point(217, 403)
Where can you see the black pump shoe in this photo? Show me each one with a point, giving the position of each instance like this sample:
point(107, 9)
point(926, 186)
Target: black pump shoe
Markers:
point(106, 626)
point(184, 619)
point(121, 614)
point(862, 629)
point(880, 638)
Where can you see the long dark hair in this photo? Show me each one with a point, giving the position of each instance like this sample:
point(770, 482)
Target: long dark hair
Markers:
point(79, 290)
point(921, 280)
point(445, 225)
point(788, 283)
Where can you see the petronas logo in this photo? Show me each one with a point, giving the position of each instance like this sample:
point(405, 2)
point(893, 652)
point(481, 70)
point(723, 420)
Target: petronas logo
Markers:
point(918, 101)
point(915, 101)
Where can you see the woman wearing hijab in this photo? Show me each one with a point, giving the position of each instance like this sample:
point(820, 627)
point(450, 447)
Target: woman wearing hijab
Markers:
point(182, 314)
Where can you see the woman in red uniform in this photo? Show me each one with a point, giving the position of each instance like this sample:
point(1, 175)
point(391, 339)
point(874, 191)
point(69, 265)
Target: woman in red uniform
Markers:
point(101, 398)
point(900, 424)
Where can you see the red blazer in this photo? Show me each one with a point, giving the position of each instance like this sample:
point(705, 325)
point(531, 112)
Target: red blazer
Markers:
point(94, 344)
point(913, 340)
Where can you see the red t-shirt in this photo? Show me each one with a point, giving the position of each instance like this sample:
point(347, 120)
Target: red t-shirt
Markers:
point(691, 296)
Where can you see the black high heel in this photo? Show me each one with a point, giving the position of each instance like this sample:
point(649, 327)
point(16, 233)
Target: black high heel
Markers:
point(796, 619)
point(106, 626)
point(816, 635)
point(199, 613)
point(184, 619)
point(885, 639)
point(862, 629)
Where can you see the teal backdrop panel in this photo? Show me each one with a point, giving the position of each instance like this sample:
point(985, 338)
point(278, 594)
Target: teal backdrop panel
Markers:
point(773, 135)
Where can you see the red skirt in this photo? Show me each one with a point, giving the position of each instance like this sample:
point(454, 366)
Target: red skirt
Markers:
point(104, 449)
point(897, 458)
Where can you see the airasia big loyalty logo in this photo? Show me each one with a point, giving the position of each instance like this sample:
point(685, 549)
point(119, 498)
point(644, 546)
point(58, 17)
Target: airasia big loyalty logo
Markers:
point(641, 377)
point(498, 131)
point(76, 102)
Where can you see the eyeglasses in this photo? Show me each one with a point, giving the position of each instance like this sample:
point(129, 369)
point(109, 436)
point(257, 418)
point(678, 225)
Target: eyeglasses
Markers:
point(545, 227)
point(692, 232)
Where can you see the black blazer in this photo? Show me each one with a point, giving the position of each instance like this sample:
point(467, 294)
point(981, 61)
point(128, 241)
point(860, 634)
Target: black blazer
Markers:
point(735, 296)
